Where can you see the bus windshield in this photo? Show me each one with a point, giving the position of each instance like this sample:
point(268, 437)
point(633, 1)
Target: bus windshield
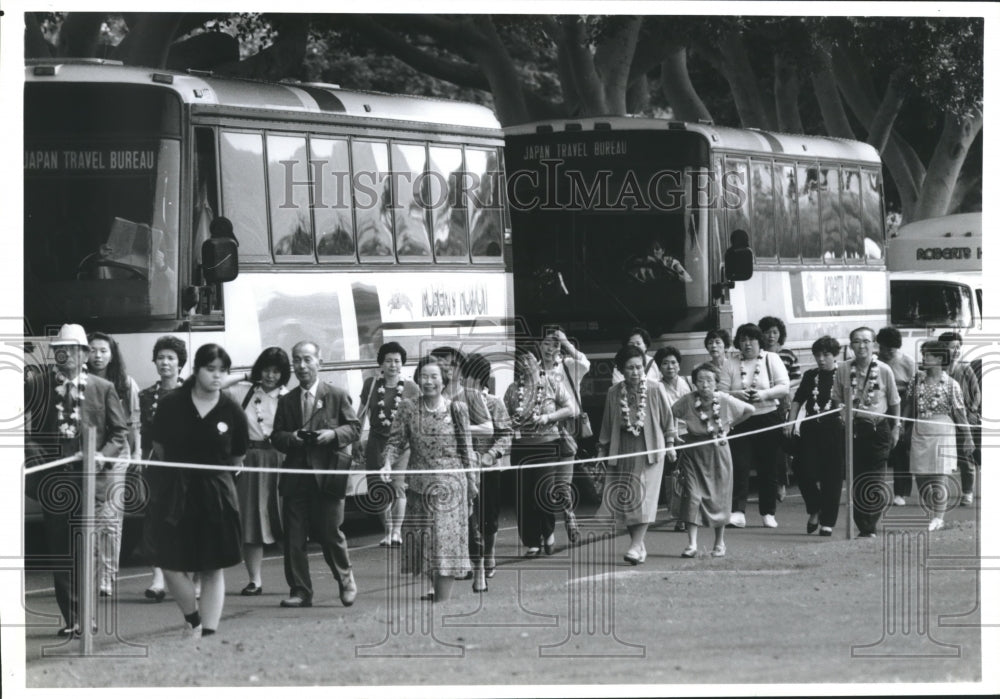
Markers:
point(925, 304)
point(101, 198)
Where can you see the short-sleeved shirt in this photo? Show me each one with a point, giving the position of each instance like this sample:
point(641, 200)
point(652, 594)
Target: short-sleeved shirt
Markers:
point(812, 380)
point(187, 437)
point(884, 394)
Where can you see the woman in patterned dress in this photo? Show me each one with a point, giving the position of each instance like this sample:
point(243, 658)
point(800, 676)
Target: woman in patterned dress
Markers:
point(936, 401)
point(256, 490)
point(435, 530)
point(637, 418)
point(706, 471)
point(169, 357)
point(380, 401)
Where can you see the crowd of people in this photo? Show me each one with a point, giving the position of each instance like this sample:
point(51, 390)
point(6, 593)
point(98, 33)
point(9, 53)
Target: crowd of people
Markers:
point(430, 447)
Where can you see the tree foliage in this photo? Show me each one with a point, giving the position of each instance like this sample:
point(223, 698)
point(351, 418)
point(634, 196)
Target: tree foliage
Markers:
point(910, 86)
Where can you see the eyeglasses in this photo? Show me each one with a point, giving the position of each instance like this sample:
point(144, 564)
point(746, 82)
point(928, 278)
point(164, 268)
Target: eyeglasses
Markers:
point(862, 342)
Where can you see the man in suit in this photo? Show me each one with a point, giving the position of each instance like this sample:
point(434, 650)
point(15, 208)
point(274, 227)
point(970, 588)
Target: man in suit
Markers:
point(314, 427)
point(64, 401)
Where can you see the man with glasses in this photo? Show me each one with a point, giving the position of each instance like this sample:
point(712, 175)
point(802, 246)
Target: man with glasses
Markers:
point(872, 386)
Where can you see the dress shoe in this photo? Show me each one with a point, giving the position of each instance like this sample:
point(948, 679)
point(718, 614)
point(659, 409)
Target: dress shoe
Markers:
point(105, 592)
point(348, 591)
point(738, 520)
point(572, 529)
point(867, 535)
point(252, 590)
point(719, 551)
point(966, 499)
point(680, 526)
point(898, 501)
point(642, 553)
point(385, 542)
point(480, 585)
point(812, 525)
point(490, 565)
point(826, 531)
point(549, 543)
point(689, 552)
point(395, 542)
point(532, 551)
point(155, 593)
point(935, 524)
point(632, 556)
point(68, 631)
point(770, 522)
point(191, 633)
point(296, 602)
point(428, 597)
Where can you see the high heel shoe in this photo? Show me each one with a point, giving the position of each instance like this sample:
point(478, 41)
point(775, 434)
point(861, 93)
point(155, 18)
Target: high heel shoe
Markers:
point(633, 556)
point(548, 544)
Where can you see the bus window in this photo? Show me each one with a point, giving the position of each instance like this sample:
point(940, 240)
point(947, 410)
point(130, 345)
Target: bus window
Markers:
point(291, 223)
point(244, 201)
point(808, 203)
point(332, 199)
point(830, 210)
point(444, 197)
point(871, 214)
point(484, 202)
point(409, 202)
point(372, 199)
point(737, 201)
point(850, 201)
point(762, 205)
point(924, 304)
point(785, 213)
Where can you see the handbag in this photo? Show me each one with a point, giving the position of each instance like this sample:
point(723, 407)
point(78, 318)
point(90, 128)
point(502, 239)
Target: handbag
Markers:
point(581, 428)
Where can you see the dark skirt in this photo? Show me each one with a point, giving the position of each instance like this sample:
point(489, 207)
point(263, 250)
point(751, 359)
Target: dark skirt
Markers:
point(193, 520)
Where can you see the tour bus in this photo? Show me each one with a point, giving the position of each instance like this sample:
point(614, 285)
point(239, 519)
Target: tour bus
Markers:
point(936, 278)
point(359, 218)
point(624, 221)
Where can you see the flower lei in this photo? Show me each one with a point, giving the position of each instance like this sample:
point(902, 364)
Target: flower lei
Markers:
point(69, 425)
point(385, 413)
point(815, 397)
point(640, 414)
point(707, 419)
point(756, 374)
point(932, 399)
point(539, 398)
point(871, 382)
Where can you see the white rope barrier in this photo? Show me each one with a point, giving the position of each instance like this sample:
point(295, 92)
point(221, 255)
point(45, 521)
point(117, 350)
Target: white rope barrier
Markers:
point(911, 419)
point(53, 464)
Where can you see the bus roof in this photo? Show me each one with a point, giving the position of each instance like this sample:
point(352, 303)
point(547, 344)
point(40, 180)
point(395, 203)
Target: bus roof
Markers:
point(201, 88)
point(719, 137)
point(944, 244)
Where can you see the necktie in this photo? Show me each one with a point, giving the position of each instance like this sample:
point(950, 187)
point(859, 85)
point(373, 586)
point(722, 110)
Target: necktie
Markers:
point(307, 405)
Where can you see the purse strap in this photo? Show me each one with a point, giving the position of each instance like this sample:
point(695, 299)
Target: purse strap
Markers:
point(248, 396)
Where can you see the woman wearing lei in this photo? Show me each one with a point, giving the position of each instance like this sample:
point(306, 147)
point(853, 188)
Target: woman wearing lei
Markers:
point(169, 357)
point(819, 464)
point(637, 420)
point(258, 491)
point(536, 407)
point(936, 401)
point(380, 400)
point(706, 470)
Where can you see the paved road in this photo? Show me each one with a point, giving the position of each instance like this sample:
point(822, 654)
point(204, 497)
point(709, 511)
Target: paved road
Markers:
point(781, 607)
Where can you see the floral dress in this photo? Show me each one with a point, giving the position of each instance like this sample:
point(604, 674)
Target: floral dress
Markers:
point(939, 405)
point(435, 530)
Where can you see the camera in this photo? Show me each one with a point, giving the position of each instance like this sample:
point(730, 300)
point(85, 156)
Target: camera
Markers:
point(308, 436)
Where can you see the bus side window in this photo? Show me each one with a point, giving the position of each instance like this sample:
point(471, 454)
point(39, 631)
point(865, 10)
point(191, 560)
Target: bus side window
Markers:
point(331, 175)
point(871, 214)
point(443, 190)
point(830, 213)
point(850, 200)
point(736, 198)
point(291, 220)
point(372, 199)
point(485, 203)
point(244, 197)
point(786, 212)
point(808, 200)
point(409, 202)
point(206, 198)
point(762, 203)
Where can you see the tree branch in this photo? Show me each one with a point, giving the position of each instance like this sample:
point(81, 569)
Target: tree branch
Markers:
point(880, 127)
point(946, 163)
point(675, 82)
point(148, 40)
point(735, 67)
point(831, 106)
point(786, 96)
point(613, 60)
point(576, 44)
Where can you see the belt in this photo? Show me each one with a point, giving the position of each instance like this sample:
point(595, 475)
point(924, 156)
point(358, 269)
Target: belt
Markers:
point(259, 444)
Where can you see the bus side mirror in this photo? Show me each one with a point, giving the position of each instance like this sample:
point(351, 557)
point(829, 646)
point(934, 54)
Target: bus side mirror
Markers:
point(189, 298)
point(739, 257)
point(219, 254)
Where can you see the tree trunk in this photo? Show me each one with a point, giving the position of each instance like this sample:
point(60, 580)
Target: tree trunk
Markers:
point(675, 82)
point(736, 68)
point(638, 96)
point(966, 182)
point(564, 67)
point(831, 106)
point(80, 34)
point(613, 60)
point(880, 127)
point(586, 81)
point(148, 40)
point(786, 96)
point(496, 63)
point(946, 164)
point(35, 45)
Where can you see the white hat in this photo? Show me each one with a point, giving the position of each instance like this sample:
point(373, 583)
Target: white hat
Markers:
point(70, 334)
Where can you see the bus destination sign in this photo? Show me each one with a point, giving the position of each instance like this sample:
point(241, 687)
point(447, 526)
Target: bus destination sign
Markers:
point(106, 160)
